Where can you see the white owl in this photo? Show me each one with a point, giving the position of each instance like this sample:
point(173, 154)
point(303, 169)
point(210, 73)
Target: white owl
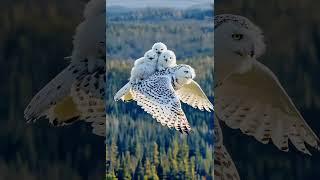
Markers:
point(167, 59)
point(144, 67)
point(159, 47)
point(78, 92)
point(248, 95)
point(161, 93)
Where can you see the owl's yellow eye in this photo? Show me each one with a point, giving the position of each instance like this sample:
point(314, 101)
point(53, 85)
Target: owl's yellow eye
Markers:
point(237, 36)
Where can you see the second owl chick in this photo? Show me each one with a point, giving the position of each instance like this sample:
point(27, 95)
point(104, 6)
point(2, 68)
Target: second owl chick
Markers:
point(167, 59)
point(144, 67)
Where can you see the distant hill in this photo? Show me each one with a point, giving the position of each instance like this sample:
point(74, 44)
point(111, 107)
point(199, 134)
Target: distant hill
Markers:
point(177, 4)
point(121, 13)
point(131, 31)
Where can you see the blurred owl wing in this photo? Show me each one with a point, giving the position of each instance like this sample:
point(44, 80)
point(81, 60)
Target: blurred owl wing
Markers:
point(55, 94)
point(224, 167)
point(88, 94)
point(256, 103)
point(157, 97)
point(54, 101)
point(193, 95)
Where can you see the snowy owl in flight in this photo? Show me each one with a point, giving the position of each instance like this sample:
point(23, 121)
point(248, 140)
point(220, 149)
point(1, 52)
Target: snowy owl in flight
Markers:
point(161, 93)
point(249, 96)
point(78, 92)
point(160, 96)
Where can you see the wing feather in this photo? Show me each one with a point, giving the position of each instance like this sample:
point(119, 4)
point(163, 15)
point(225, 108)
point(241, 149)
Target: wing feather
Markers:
point(157, 97)
point(89, 95)
point(193, 95)
point(256, 103)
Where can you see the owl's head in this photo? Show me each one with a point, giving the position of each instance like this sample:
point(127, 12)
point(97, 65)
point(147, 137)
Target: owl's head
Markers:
point(237, 37)
point(151, 56)
point(159, 47)
point(184, 74)
point(167, 59)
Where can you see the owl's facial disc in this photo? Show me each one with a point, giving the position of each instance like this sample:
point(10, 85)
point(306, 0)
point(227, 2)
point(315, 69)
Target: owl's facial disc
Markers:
point(150, 55)
point(159, 47)
point(185, 74)
point(234, 40)
point(243, 45)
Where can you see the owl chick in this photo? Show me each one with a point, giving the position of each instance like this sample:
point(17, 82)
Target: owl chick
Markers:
point(166, 60)
point(144, 67)
point(159, 47)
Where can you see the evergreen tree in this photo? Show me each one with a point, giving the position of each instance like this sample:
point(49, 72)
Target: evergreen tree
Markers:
point(155, 154)
point(139, 172)
point(148, 171)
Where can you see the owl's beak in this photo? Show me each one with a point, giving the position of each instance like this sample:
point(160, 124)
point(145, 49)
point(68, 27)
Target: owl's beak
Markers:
point(246, 52)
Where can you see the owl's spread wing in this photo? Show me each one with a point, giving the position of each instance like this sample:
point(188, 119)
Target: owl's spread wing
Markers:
point(89, 95)
point(54, 94)
point(54, 100)
point(158, 98)
point(193, 95)
point(256, 103)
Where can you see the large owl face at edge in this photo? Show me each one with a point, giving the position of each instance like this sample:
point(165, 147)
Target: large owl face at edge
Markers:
point(237, 37)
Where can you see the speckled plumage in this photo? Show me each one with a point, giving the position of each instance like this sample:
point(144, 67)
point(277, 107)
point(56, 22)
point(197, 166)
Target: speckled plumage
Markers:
point(157, 96)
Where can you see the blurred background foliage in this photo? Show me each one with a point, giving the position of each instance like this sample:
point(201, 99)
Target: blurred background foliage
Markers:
point(292, 35)
point(137, 146)
point(35, 36)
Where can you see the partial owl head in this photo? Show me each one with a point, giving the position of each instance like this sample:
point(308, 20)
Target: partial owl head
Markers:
point(159, 47)
point(151, 55)
point(238, 36)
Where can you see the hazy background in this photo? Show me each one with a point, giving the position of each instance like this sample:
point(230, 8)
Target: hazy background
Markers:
point(178, 4)
point(292, 34)
point(137, 146)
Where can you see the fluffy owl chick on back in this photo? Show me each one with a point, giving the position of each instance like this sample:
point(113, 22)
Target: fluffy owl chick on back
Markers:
point(144, 67)
point(166, 60)
point(159, 48)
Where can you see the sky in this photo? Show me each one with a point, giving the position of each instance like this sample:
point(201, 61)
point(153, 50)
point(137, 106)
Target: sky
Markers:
point(158, 3)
